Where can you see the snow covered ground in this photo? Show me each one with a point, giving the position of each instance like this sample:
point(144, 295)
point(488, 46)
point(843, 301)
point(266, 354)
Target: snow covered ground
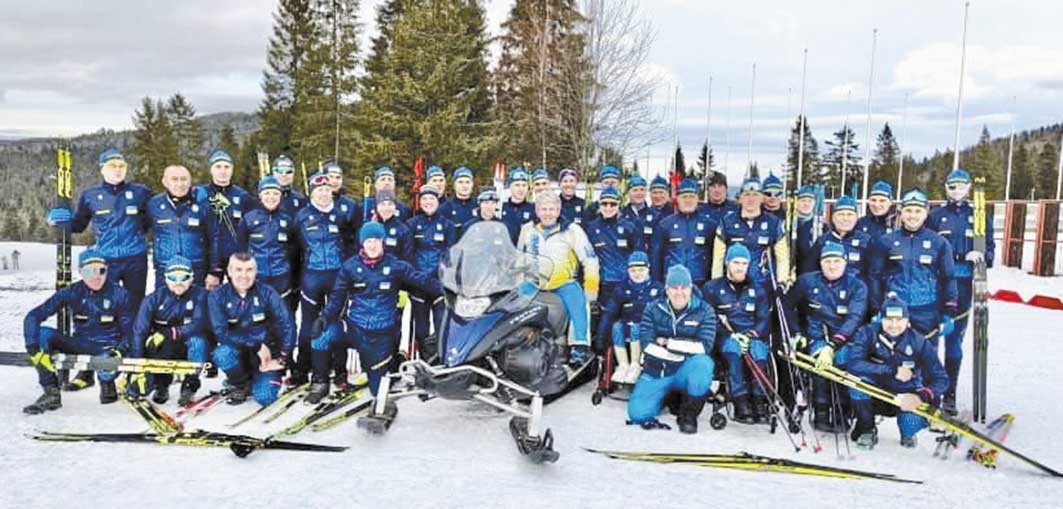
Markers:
point(447, 454)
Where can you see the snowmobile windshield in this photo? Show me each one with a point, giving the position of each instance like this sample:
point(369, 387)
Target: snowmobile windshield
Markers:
point(484, 263)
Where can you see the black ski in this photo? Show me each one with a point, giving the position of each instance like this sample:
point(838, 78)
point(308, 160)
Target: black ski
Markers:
point(980, 307)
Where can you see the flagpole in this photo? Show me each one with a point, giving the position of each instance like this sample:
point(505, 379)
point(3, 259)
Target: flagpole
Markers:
point(752, 97)
point(801, 126)
point(727, 134)
point(904, 130)
point(959, 97)
point(846, 141)
point(867, 147)
point(1011, 147)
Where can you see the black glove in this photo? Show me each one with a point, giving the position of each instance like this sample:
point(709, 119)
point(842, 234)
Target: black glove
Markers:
point(33, 349)
point(318, 327)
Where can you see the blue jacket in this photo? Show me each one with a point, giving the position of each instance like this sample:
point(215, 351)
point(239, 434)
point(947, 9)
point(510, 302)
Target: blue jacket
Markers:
point(119, 218)
point(183, 227)
point(876, 355)
point(613, 240)
point(683, 239)
point(779, 213)
point(638, 216)
point(833, 310)
point(458, 211)
point(759, 235)
point(240, 203)
point(398, 239)
point(877, 226)
point(807, 254)
point(627, 304)
point(515, 215)
point(572, 209)
point(955, 222)
point(268, 236)
point(348, 207)
point(692, 331)
point(514, 231)
point(326, 239)
point(260, 317)
point(187, 315)
point(857, 246)
point(371, 293)
point(745, 305)
point(718, 211)
point(292, 201)
point(917, 265)
point(655, 215)
point(432, 236)
point(103, 317)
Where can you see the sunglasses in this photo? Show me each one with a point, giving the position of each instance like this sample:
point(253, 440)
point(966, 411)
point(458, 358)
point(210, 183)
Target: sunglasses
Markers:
point(772, 194)
point(178, 277)
point(609, 204)
point(93, 271)
point(115, 165)
point(955, 187)
point(284, 170)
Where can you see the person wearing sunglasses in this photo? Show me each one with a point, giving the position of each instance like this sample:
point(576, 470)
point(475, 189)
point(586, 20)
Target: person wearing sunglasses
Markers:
point(254, 330)
point(325, 241)
point(955, 223)
point(266, 233)
point(384, 180)
point(608, 176)
point(117, 210)
point(614, 239)
point(460, 207)
point(228, 203)
point(517, 211)
point(181, 226)
point(684, 238)
point(103, 324)
point(283, 169)
point(433, 234)
point(171, 324)
point(362, 310)
point(761, 233)
point(774, 197)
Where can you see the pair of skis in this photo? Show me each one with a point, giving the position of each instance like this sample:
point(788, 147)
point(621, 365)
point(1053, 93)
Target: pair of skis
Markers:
point(746, 461)
point(108, 363)
point(933, 415)
point(980, 307)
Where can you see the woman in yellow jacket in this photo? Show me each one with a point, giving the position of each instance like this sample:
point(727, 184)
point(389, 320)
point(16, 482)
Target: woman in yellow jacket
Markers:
point(566, 246)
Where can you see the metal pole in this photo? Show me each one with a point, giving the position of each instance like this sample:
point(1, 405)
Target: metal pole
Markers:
point(1011, 147)
point(1059, 170)
point(846, 141)
point(727, 133)
point(900, 164)
point(959, 98)
point(752, 97)
point(801, 126)
point(867, 148)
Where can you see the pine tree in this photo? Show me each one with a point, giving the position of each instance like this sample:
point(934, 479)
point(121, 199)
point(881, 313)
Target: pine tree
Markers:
point(154, 144)
point(430, 96)
point(294, 34)
point(985, 161)
point(810, 172)
point(884, 164)
point(842, 151)
point(187, 130)
point(706, 160)
point(679, 161)
point(1046, 172)
point(540, 81)
point(1022, 174)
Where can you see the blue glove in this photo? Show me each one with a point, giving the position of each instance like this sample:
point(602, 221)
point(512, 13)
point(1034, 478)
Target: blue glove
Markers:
point(948, 324)
point(199, 194)
point(59, 215)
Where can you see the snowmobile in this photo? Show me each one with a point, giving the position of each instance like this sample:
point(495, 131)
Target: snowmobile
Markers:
point(503, 342)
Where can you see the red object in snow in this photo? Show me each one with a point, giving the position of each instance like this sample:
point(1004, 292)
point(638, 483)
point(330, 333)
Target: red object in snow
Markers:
point(1044, 301)
point(1007, 296)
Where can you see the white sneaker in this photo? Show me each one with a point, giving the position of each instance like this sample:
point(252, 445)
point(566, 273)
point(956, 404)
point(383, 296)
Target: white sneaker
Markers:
point(620, 373)
point(633, 373)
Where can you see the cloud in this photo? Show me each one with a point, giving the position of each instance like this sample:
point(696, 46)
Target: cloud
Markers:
point(933, 71)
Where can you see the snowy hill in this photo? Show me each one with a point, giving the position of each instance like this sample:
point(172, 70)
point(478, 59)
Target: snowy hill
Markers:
point(446, 454)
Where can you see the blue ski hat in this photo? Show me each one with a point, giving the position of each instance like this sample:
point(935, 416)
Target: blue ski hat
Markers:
point(333, 167)
point(678, 275)
point(894, 306)
point(608, 171)
point(435, 171)
point(518, 174)
point(463, 172)
point(268, 182)
point(386, 195)
point(832, 249)
point(487, 194)
point(772, 185)
point(882, 188)
point(958, 176)
point(750, 185)
point(383, 171)
point(90, 255)
point(109, 154)
point(370, 230)
point(638, 259)
point(178, 264)
point(658, 182)
point(540, 174)
point(610, 193)
point(567, 172)
point(218, 155)
point(806, 191)
point(737, 252)
point(914, 197)
point(636, 181)
point(688, 186)
point(844, 203)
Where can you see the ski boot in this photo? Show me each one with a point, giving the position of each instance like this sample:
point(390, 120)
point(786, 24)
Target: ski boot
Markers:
point(108, 392)
point(212, 371)
point(83, 380)
point(339, 379)
point(948, 405)
point(238, 393)
point(760, 410)
point(821, 420)
point(689, 410)
point(865, 438)
point(50, 400)
point(909, 441)
point(296, 378)
point(742, 411)
point(162, 394)
point(189, 386)
point(318, 391)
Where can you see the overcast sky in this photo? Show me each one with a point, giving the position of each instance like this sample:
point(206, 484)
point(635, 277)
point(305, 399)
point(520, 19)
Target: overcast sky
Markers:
point(71, 67)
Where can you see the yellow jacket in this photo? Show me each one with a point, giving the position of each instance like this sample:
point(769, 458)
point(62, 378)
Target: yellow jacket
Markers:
point(567, 248)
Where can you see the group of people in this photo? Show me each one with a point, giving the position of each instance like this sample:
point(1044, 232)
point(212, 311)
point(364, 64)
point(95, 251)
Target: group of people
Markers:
point(677, 285)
